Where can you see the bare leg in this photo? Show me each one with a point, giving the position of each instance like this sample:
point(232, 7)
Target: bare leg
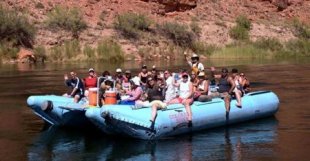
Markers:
point(227, 103)
point(154, 112)
point(76, 98)
point(188, 109)
point(238, 96)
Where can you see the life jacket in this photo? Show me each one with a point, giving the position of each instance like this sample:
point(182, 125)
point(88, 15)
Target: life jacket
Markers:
point(90, 82)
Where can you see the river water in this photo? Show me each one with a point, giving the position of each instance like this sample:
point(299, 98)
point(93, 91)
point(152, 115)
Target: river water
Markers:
point(24, 136)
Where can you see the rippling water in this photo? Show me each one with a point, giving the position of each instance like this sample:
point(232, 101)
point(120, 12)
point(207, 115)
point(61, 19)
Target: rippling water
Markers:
point(23, 136)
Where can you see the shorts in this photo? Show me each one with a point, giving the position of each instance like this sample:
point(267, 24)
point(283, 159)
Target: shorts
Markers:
point(160, 104)
point(220, 95)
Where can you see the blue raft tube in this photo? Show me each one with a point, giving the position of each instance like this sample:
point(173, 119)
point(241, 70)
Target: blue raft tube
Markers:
point(62, 111)
point(129, 121)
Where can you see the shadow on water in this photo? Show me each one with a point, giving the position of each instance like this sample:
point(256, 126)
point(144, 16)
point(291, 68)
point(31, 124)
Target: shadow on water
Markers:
point(229, 143)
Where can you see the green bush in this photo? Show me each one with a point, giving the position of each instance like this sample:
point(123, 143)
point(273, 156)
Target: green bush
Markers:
point(239, 51)
point(239, 33)
point(202, 48)
point(40, 53)
point(66, 19)
point(130, 24)
point(71, 49)
point(178, 33)
point(56, 53)
point(195, 28)
point(89, 52)
point(301, 30)
point(271, 44)
point(109, 50)
point(244, 22)
point(15, 28)
point(299, 47)
point(7, 52)
point(241, 30)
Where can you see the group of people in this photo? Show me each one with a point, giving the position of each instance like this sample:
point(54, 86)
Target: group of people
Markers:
point(157, 89)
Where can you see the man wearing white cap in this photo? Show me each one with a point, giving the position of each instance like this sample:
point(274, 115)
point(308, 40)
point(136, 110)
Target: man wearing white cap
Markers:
point(119, 76)
point(194, 63)
point(91, 80)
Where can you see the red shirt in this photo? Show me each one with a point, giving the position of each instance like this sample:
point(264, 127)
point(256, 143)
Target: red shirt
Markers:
point(90, 82)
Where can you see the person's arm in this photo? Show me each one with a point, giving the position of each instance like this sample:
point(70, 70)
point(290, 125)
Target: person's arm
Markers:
point(232, 83)
point(175, 82)
point(201, 68)
point(191, 91)
point(187, 59)
point(206, 90)
point(135, 95)
point(67, 81)
point(217, 76)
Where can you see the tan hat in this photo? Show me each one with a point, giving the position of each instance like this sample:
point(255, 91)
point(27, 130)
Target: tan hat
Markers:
point(201, 74)
point(195, 56)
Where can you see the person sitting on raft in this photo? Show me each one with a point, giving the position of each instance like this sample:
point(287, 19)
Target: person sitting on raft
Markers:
point(135, 92)
point(77, 86)
point(245, 83)
point(154, 95)
point(170, 88)
point(143, 75)
point(201, 91)
point(238, 89)
point(90, 81)
point(226, 87)
point(194, 79)
point(126, 81)
point(107, 85)
point(119, 76)
point(194, 63)
point(184, 96)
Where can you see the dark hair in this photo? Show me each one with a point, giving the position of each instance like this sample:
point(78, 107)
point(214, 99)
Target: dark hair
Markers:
point(224, 70)
point(185, 76)
point(234, 70)
point(105, 73)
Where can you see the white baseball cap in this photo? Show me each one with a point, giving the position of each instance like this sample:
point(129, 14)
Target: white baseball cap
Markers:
point(91, 70)
point(118, 70)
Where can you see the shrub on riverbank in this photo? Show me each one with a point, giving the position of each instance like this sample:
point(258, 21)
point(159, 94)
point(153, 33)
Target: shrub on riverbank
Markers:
point(203, 48)
point(7, 52)
point(130, 24)
point(302, 30)
point(40, 53)
point(67, 19)
point(271, 44)
point(239, 51)
point(241, 30)
point(109, 50)
point(178, 33)
point(299, 47)
point(15, 29)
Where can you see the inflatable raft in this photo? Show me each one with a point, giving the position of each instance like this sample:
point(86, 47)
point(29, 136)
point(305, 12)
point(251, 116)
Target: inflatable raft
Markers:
point(132, 122)
point(59, 110)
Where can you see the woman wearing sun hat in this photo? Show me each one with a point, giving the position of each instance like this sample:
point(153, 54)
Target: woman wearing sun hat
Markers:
point(201, 91)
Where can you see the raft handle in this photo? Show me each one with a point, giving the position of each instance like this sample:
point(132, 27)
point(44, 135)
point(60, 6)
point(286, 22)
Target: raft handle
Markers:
point(258, 92)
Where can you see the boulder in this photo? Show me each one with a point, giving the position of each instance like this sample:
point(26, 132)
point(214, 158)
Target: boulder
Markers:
point(25, 55)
